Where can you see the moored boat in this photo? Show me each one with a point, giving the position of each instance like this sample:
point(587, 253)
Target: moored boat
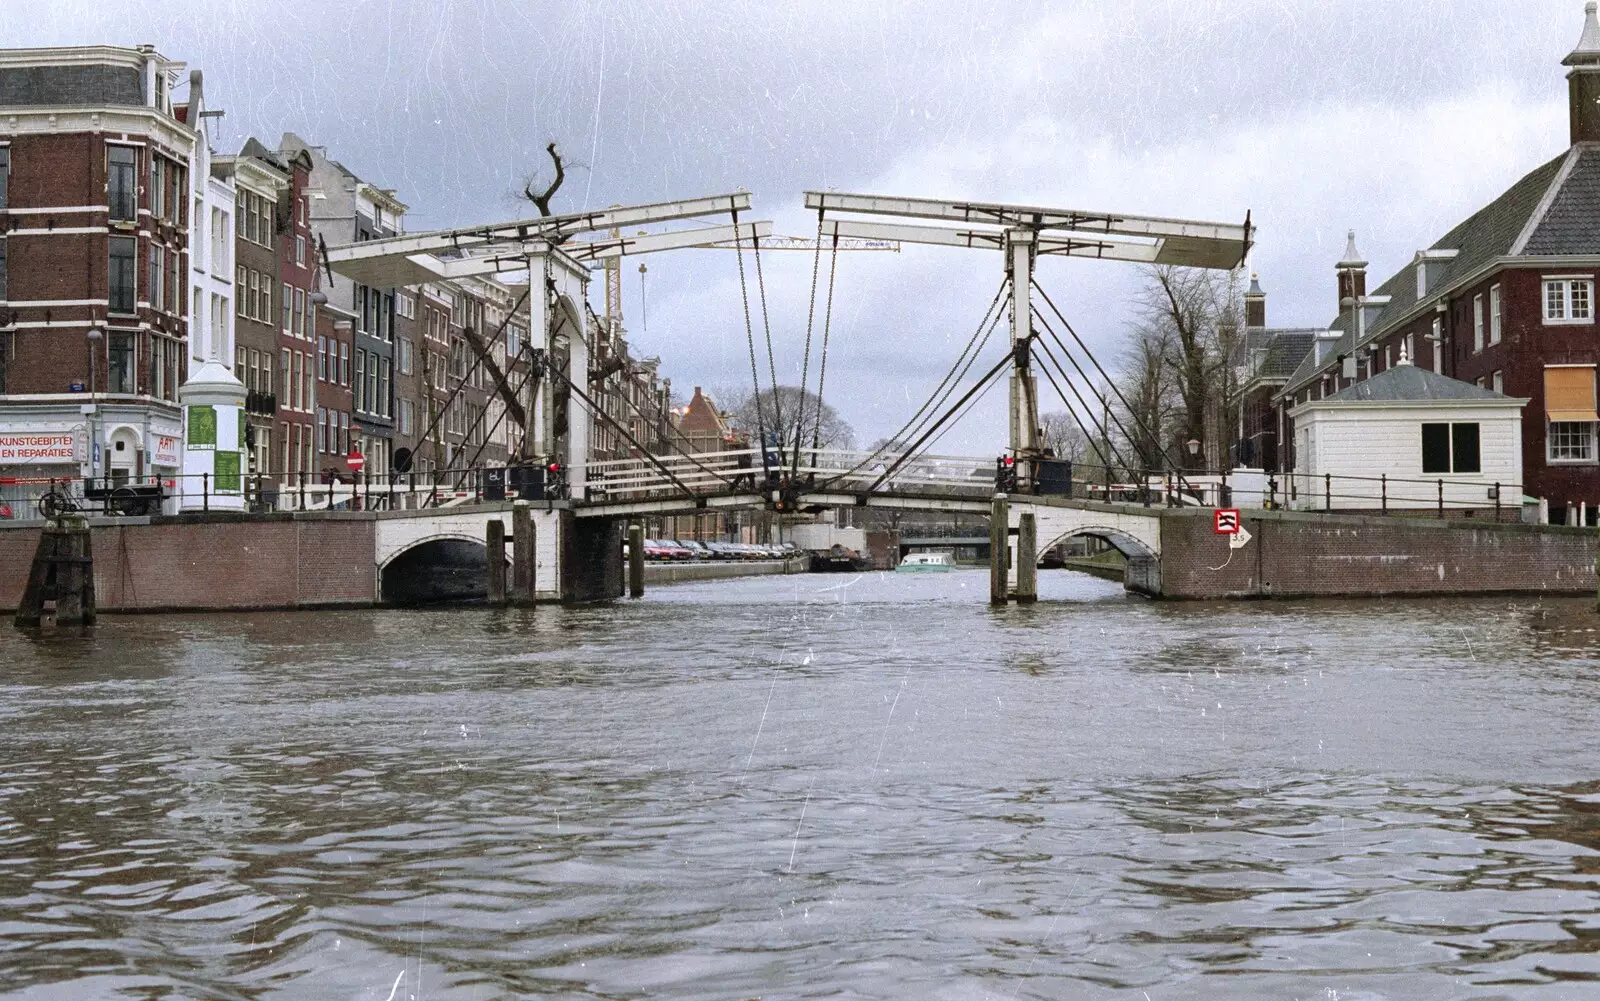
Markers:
point(926, 562)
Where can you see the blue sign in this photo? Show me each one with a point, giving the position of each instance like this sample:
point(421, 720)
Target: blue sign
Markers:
point(76, 387)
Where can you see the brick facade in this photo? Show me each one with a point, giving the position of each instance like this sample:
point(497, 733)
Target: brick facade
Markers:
point(1292, 555)
point(216, 563)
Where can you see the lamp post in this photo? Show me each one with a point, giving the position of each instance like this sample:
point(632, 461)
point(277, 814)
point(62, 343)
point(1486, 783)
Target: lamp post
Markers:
point(95, 336)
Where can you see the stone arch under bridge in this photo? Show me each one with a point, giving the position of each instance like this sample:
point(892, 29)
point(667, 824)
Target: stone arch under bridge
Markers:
point(1136, 535)
point(399, 532)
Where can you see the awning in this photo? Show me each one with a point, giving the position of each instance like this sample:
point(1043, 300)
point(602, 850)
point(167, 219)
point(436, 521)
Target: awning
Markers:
point(1569, 393)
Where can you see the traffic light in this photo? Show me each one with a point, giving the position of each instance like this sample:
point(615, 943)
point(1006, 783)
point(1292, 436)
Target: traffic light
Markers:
point(555, 480)
point(1005, 474)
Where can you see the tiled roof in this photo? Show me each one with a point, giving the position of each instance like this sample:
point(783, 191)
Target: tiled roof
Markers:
point(1285, 353)
point(1492, 232)
point(1410, 384)
point(1571, 225)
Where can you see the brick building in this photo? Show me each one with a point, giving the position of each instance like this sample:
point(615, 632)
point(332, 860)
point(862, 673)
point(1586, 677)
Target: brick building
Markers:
point(1504, 301)
point(94, 278)
point(259, 181)
point(344, 208)
point(297, 426)
point(1263, 359)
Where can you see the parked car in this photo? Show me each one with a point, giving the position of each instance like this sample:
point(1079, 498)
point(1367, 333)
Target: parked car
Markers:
point(722, 550)
point(665, 550)
point(697, 550)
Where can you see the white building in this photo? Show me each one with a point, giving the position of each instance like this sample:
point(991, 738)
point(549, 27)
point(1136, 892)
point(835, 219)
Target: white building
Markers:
point(211, 336)
point(1402, 440)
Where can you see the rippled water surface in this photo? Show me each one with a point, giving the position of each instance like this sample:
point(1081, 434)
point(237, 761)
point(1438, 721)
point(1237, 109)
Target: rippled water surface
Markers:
point(815, 786)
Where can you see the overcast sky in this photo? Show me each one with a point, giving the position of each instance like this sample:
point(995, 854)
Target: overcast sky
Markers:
point(1393, 117)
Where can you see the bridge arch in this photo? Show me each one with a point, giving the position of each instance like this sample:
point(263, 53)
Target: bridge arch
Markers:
point(1129, 546)
point(436, 569)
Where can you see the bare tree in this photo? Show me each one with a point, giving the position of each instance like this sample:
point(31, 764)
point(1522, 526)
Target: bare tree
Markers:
point(1189, 319)
point(800, 412)
point(542, 200)
point(1059, 432)
point(1152, 401)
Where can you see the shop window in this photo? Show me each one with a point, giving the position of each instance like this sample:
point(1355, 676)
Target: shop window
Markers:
point(120, 366)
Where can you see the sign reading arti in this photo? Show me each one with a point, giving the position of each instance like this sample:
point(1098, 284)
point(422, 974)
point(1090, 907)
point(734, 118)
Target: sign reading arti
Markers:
point(35, 449)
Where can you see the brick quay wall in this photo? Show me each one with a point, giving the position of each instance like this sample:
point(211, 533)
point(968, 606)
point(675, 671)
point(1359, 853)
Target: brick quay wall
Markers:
point(1302, 555)
point(215, 562)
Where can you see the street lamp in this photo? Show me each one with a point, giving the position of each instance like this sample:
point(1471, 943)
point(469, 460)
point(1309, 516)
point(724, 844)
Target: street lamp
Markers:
point(1193, 445)
point(95, 336)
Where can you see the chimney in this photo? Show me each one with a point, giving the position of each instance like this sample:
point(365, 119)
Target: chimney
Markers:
point(1583, 80)
point(1352, 272)
point(1255, 304)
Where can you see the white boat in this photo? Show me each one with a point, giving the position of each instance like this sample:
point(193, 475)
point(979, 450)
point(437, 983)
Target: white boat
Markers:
point(925, 562)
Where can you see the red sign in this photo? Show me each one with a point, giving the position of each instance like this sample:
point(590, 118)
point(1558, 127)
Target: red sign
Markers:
point(355, 460)
point(1225, 521)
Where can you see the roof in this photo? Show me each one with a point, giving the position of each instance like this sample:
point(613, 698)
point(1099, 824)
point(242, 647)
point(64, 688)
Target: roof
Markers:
point(1410, 384)
point(1549, 202)
point(1280, 351)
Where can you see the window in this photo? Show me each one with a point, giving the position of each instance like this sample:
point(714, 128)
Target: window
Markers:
point(1388, 357)
point(239, 369)
point(119, 371)
point(286, 382)
point(1494, 314)
point(1568, 300)
point(359, 388)
point(300, 251)
point(322, 430)
point(1448, 448)
point(264, 306)
point(407, 414)
point(288, 309)
point(158, 187)
point(322, 358)
point(1410, 353)
point(1438, 345)
point(374, 402)
point(294, 384)
point(2, 271)
point(175, 299)
point(240, 214)
point(122, 186)
point(384, 407)
point(299, 314)
point(344, 433)
point(1498, 382)
point(1477, 324)
point(158, 268)
point(407, 363)
point(1571, 441)
point(308, 384)
point(344, 364)
point(120, 278)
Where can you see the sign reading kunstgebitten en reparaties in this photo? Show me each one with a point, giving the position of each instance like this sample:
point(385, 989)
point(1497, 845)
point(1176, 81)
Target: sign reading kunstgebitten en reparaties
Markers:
point(21, 448)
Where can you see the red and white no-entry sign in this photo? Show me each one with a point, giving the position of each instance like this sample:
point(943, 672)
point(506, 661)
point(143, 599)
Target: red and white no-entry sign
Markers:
point(355, 460)
point(1226, 521)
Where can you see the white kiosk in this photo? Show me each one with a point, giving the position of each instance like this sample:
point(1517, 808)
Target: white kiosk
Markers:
point(213, 440)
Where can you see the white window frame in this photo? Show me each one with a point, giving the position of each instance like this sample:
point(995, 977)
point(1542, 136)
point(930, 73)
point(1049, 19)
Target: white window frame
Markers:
point(1499, 381)
point(1477, 323)
point(1567, 285)
point(1495, 321)
point(1588, 459)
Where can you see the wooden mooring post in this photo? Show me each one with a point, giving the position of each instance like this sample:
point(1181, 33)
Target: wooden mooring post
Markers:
point(495, 561)
point(1027, 559)
point(999, 549)
point(636, 561)
point(62, 572)
point(522, 554)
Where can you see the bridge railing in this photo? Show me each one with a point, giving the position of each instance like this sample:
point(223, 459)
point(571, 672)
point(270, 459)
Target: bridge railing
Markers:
point(742, 471)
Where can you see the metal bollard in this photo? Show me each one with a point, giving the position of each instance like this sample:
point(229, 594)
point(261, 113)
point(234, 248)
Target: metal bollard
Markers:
point(1384, 478)
point(1441, 497)
point(1327, 491)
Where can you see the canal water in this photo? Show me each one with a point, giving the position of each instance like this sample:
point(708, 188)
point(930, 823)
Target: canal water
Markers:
point(839, 786)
